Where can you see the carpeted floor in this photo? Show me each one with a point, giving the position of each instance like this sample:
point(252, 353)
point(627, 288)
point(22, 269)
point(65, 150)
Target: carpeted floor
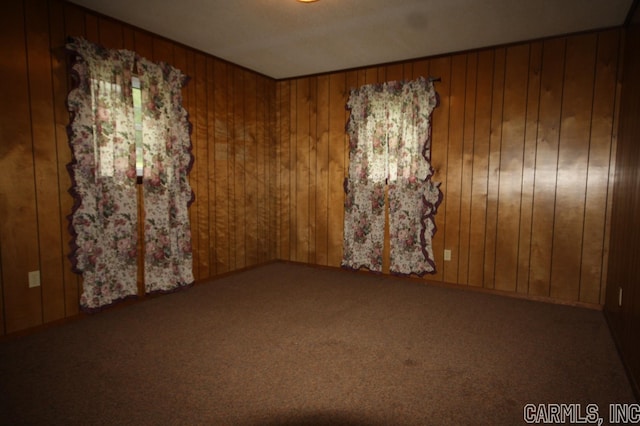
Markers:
point(287, 344)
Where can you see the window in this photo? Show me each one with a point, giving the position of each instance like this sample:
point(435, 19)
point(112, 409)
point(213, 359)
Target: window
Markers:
point(128, 126)
point(389, 131)
point(137, 118)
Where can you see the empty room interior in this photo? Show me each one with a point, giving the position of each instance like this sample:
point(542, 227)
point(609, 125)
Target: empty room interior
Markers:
point(241, 290)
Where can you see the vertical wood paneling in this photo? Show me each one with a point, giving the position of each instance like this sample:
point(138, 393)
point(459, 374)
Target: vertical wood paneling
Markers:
point(600, 149)
point(313, 172)
point(232, 111)
point(269, 200)
point(544, 197)
point(163, 51)
point(262, 179)
point(199, 136)
point(573, 157)
point(511, 167)
point(464, 248)
point(293, 167)
point(240, 166)
point(631, 43)
point(46, 167)
point(624, 254)
point(60, 78)
point(221, 166)
point(511, 152)
point(322, 171)
point(128, 38)
point(372, 75)
point(92, 31)
point(110, 33)
point(493, 178)
point(529, 166)
point(272, 141)
point(302, 150)
point(19, 242)
point(250, 170)
point(482, 133)
point(234, 120)
point(211, 161)
point(284, 170)
point(143, 44)
point(338, 95)
point(454, 163)
point(394, 72)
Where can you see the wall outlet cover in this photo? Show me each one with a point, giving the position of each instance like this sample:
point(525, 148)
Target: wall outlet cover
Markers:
point(34, 279)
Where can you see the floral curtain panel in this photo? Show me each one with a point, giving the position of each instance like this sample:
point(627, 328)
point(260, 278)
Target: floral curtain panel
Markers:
point(102, 137)
point(166, 190)
point(389, 131)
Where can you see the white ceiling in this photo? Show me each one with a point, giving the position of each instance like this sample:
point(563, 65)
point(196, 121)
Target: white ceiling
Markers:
point(285, 38)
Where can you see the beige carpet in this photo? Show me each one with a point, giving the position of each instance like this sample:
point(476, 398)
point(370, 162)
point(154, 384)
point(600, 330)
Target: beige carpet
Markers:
point(289, 344)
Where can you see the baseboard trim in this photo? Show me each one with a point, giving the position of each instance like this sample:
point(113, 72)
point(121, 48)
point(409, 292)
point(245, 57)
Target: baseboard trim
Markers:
point(140, 299)
point(544, 299)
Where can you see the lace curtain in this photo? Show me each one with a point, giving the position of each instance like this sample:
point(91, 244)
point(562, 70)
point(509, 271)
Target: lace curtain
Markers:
point(102, 135)
point(389, 130)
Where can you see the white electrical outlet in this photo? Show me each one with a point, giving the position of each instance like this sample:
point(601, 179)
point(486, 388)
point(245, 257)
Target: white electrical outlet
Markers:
point(34, 279)
point(447, 255)
point(619, 296)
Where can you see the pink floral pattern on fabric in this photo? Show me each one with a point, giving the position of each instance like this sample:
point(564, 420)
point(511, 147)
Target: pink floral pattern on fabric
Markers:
point(389, 131)
point(102, 139)
point(166, 190)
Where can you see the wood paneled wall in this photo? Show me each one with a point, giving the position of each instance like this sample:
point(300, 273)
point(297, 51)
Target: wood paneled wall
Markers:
point(523, 145)
point(232, 111)
point(624, 260)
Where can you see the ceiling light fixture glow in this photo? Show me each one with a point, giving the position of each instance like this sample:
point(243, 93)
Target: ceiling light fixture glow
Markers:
point(307, 1)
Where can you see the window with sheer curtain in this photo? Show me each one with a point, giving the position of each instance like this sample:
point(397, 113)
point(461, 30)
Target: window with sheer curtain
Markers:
point(128, 125)
point(390, 141)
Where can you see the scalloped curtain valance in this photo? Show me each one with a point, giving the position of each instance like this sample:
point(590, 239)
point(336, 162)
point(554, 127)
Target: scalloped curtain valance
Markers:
point(102, 137)
point(390, 145)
